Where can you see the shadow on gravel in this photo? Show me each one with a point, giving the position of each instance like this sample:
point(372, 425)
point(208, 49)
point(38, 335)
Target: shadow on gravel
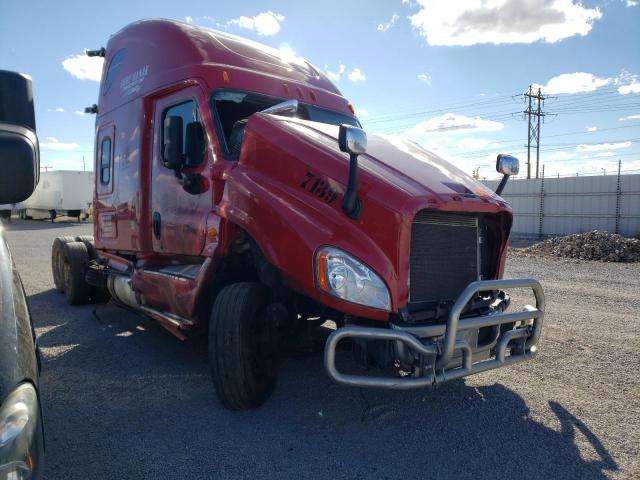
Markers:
point(123, 399)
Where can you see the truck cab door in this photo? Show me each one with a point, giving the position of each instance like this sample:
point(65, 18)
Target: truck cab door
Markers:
point(178, 217)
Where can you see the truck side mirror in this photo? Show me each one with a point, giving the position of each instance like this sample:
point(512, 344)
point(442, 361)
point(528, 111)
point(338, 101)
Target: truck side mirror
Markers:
point(194, 154)
point(19, 153)
point(352, 140)
point(172, 143)
point(507, 165)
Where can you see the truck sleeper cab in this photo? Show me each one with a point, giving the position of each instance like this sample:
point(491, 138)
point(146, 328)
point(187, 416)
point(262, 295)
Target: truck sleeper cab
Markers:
point(235, 190)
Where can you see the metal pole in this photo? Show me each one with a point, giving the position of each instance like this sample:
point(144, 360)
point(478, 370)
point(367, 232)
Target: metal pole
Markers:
point(529, 137)
point(538, 136)
point(541, 215)
point(618, 198)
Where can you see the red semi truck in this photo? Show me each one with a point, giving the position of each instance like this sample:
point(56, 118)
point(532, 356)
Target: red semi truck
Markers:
point(236, 194)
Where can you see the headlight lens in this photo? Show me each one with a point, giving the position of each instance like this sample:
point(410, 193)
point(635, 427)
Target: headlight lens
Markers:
point(342, 276)
point(19, 433)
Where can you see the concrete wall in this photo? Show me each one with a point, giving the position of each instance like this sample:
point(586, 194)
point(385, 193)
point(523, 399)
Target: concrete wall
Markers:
point(559, 206)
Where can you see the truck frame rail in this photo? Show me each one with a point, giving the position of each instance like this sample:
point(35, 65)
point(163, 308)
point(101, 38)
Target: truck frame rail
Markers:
point(439, 342)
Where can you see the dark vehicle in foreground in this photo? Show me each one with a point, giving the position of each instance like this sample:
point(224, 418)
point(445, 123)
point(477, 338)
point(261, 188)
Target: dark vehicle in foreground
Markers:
point(236, 193)
point(21, 430)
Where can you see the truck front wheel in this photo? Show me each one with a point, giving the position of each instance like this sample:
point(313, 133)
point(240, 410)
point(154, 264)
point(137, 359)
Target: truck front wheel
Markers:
point(242, 352)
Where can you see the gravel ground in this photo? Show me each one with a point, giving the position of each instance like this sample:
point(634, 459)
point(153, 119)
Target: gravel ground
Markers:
point(124, 399)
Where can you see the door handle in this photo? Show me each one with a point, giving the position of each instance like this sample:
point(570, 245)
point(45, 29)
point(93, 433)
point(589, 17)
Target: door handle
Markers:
point(156, 224)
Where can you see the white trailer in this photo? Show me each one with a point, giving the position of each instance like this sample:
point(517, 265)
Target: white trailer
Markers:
point(62, 192)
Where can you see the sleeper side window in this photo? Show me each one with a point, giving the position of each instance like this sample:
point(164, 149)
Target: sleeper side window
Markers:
point(105, 161)
point(192, 148)
point(112, 72)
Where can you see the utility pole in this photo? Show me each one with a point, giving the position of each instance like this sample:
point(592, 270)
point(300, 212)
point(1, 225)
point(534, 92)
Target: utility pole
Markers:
point(534, 114)
point(528, 111)
point(84, 166)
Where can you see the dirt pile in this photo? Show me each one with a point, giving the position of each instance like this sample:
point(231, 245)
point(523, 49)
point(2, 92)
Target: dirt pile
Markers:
point(603, 246)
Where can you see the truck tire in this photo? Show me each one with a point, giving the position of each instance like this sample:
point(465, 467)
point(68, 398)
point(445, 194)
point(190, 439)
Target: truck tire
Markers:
point(241, 347)
point(75, 260)
point(56, 261)
point(88, 242)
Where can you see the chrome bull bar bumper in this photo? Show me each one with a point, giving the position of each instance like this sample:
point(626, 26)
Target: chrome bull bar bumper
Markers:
point(439, 342)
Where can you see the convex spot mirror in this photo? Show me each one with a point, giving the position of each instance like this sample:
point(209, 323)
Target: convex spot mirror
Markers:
point(19, 153)
point(507, 164)
point(352, 140)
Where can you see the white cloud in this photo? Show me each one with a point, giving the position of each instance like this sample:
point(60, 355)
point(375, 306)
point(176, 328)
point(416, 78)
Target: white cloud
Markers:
point(470, 143)
point(627, 82)
point(629, 3)
point(362, 112)
point(577, 82)
point(83, 67)
point(597, 147)
point(386, 26)
point(423, 77)
point(629, 117)
point(357, 75)
point(592, 129)
point(52, 143)
point(560, 156)
point(188, 19)
point(265, 23)
point(59, 109)
point(451, 122)
point(289, 55)
point(334, 76)
point(604, 154)
point(469, 22)
point(79, 112)
point(631, 88)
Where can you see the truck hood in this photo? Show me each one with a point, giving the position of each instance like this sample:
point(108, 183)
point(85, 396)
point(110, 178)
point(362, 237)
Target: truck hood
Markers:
point(286, 190)
point(400, 162)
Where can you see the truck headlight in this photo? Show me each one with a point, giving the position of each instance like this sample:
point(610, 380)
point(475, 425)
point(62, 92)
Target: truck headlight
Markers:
point(20, 434)
point(341, 275)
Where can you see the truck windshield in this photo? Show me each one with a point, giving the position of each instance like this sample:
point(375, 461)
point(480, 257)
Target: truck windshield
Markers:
point(230, 107)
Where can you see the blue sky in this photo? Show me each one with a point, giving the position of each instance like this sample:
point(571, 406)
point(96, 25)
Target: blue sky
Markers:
point(444, 73)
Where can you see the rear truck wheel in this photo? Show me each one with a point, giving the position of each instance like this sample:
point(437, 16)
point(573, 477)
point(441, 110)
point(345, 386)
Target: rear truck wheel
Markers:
point(75, 259)
point(242, 353)
point(56, 261)
point(88, 242)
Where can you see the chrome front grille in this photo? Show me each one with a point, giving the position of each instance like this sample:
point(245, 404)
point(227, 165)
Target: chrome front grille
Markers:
point(445, 255)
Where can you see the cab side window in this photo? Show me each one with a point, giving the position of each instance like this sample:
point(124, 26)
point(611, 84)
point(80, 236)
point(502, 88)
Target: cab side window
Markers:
point(192, 145)
point(105, 161)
